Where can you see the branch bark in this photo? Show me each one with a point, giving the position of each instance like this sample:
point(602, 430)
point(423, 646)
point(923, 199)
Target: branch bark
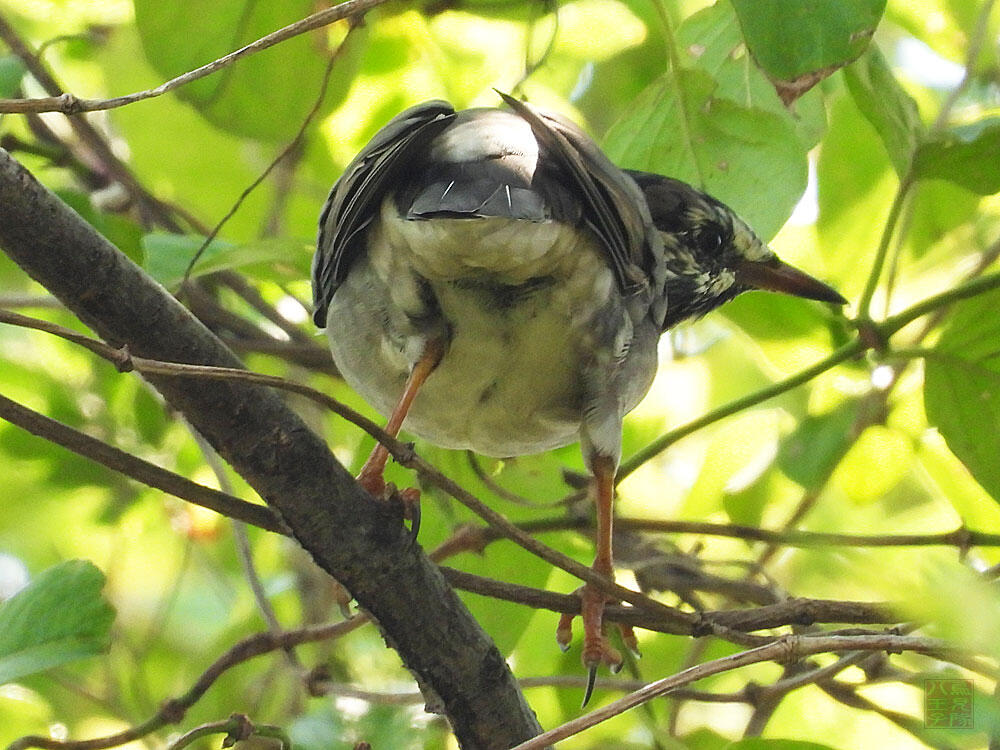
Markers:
point(360, 541)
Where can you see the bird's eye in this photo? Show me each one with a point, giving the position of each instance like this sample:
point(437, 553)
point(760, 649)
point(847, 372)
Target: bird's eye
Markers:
point(710, 238)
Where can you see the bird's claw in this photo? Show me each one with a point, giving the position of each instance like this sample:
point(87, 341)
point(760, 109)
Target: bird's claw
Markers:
point(597, 648)
point(409, 498)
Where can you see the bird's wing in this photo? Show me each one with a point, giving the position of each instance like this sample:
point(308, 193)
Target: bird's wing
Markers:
point(613, 206)
point(356, 197)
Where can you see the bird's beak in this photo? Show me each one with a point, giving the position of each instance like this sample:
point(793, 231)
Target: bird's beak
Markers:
point(777, 276)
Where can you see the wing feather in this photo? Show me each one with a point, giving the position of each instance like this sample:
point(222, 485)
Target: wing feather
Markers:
point(614, 207)
point(355, 198)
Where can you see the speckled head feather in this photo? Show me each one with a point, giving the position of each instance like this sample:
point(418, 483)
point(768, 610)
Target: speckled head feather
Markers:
point(711, 255)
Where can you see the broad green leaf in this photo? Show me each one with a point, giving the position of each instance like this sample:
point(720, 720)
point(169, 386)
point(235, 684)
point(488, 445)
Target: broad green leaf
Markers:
point(877, 461)
point(939, 207)
point(11, 72)
point(620, 29)
point(505, 623)
point(740, 451)
point(187, 159)
point(962, 387)
point(812, 451)
point(265, 95)
point(711, 40)
point(775, 316)
point(747, 157)
point(890, 110)
point(791, 40)
point(856, 186)
point(58, 618)
point(968, 155)
point(168, 255)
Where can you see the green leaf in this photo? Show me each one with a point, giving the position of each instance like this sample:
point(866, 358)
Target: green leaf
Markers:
point(168, 255)
point(262, 96)
point(58, 618)
point(11, 72)
point(962, 387)
point(711, 40)
point(968, 155)
point(791, 40)
point(812, 451)
point(939, 207)
point(885, 104)
point(747, 157)
point(856, 183)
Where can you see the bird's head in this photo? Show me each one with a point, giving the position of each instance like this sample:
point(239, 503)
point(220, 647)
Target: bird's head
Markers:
point(711, 255)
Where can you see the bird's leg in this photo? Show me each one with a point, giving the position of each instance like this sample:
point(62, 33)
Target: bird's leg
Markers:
point(597, 649)
point(371, 475)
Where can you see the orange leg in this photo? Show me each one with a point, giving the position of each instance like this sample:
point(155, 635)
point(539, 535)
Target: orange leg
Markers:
point(597, 649)
point(371, 473)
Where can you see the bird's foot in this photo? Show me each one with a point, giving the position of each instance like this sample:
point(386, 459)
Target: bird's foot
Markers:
point(374, 484)
point(597, 648)
point(371, 480)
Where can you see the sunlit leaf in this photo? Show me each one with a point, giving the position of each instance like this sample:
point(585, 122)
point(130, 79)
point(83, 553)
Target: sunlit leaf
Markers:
point(711, 40)
point(890, 110)
point(810, 453)
point(749, 158)
point(58, 618)
point(856, 185)
point(253, 97)
point(939, 207)
point(790, 40)
point(11, 72)
point(876, 462)
point(968, 155)
point(168, 255)
point(962, 387)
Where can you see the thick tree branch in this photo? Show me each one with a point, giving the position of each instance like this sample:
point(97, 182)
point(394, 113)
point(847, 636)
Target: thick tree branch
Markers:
point(361, 541)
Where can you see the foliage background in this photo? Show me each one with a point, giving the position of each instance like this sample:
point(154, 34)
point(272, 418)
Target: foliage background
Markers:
point(898, 440)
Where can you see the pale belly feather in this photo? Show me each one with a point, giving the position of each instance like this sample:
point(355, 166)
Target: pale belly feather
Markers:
point(509, 383)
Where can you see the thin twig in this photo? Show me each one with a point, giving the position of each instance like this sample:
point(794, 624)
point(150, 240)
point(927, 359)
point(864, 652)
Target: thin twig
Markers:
point(150, 474)
point(70, 105)
point(173, 710)
point(960, 537)
point(89, 135)
point(975, 46)
point(288, 149)
point(242, 540)
point(786, 649)
point(402, 452)
point(844, 353)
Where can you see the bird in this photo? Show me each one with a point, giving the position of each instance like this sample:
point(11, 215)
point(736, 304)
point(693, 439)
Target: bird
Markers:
point(489, 278)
